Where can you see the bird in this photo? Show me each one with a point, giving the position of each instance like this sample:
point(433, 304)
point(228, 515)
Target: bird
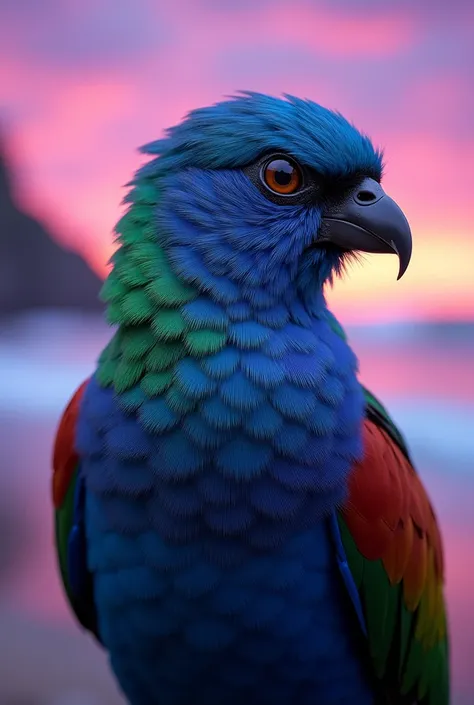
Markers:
point(238, 519)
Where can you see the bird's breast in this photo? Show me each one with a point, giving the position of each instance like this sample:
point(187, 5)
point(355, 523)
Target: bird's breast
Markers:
point(212, 564)
point(267, 626)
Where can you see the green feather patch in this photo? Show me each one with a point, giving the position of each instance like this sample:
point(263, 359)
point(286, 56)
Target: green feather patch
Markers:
point(145, 299)
point(168, 290)
point(156, 383)
point(135, 342)
point(204, 342)
point(168, 324)
point(63, 523)
point(381, 602)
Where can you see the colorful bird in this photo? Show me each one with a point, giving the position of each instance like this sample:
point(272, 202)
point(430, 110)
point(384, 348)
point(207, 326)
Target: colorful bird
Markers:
point(238, 520)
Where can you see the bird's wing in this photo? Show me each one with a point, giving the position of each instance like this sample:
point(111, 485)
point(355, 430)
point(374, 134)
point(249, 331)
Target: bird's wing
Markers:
point(68, 500)
point(392, 545)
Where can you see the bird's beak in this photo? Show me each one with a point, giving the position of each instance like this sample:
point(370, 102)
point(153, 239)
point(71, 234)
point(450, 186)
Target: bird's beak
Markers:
point(370, 221)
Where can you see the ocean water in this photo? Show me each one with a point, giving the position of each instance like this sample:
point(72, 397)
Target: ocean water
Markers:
point(423, 374)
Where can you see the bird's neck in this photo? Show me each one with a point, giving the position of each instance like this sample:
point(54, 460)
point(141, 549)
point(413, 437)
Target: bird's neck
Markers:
point(169, 306)
point(257, 385)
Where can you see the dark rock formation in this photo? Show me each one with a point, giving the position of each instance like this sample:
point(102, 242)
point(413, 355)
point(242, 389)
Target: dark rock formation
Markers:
point(36, 272)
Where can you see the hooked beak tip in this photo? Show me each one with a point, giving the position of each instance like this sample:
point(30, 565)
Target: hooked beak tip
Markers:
point(375, 224)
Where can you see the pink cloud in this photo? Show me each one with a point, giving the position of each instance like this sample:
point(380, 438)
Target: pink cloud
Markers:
point(428, 174)
point(441, 101)
point(319, 29)
point(76, 128)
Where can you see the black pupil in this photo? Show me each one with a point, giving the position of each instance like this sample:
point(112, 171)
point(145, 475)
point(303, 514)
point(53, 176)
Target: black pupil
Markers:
point(282, 171)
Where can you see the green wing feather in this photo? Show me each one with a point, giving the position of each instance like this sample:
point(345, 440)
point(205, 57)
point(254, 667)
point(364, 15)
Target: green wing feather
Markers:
point(63, 521)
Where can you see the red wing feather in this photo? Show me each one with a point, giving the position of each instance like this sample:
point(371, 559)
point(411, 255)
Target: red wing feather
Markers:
point(64, 455)
point(390, 518)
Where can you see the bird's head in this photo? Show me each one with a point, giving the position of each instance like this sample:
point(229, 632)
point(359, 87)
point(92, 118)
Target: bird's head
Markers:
point(270, 194)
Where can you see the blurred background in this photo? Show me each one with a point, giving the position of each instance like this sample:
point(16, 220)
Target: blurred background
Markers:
point(82, 85)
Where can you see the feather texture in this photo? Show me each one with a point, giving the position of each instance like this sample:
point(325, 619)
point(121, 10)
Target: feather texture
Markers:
point(394, 550)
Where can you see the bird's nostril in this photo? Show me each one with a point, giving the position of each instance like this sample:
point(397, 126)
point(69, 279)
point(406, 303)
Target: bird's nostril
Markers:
point(366, 196)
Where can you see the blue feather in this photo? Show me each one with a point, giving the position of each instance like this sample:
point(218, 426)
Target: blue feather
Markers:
point(318, 451)
point(159, 554)
point(222, 364)
point(118, 550)
point(88, 441)
point(197, 581)
point(240, 393)
point(231, 600)
point(219, 415)
point(275, 317)
point(260, 298)
point(184, 531)
point(131, 400)
point(126, 477)
point(243, 459)
point(180, 500)
point(239, 311)
point(248, 334)
point(204, 313)
point(296, 477)
point(299, 314)
point(189, 266)
point(214, 489)
point(179, 402)
point(275, 501)
point(202, 434)
point(261, 369)
point(176, 457)
point(332, 391)
point(225, 551)
point(229, 521)
point(103, 411)
point(324, 420)
point(192, 381)
point(156, 416)
point(291, 440)
point(307, 371)
point(301, 339)
point(263, 611)
point(263, 423)
point(294, 403)
point(210, 635)
point(269, 535)
point(123, 514)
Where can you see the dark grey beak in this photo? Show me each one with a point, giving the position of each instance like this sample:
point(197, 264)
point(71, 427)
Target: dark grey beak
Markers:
point(370, 221)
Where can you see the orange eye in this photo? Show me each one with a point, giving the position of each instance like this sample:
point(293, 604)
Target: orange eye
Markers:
point(281, 176)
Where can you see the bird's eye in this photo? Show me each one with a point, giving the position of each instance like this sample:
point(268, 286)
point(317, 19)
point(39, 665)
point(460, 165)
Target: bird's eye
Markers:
point(282, 176)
